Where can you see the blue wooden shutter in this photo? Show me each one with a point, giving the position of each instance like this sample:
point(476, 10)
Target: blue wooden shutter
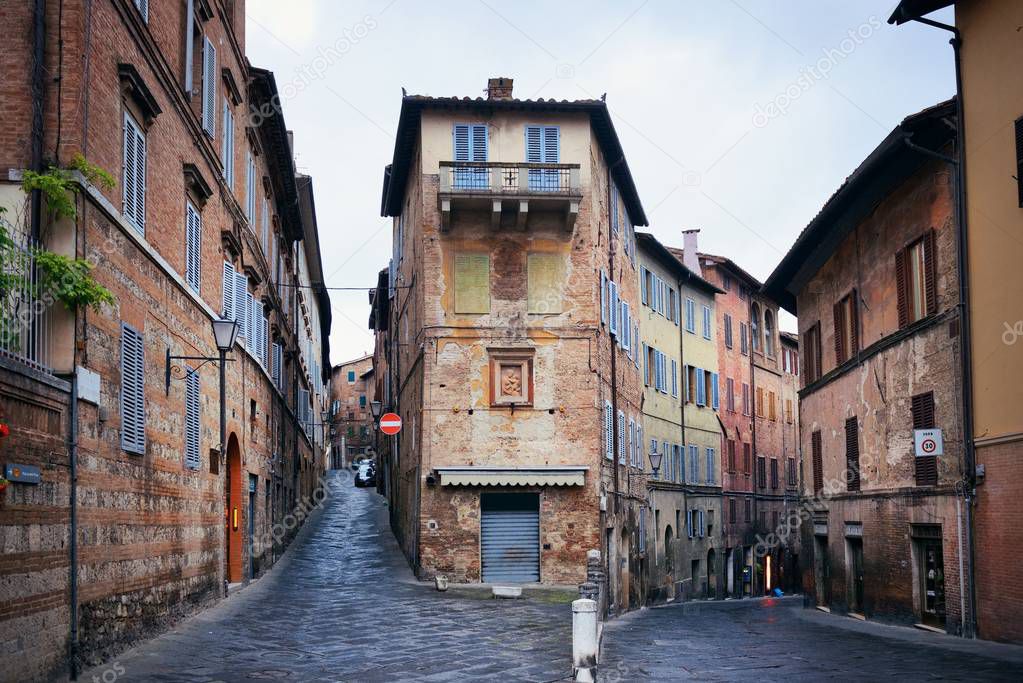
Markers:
point(621, 438)
point(674, 378)
point(685, 383)
point(551, 145)
point(479, 142)
point(228, 311)
point(534, 145)
point(714, 390)
point(613, 307)
point(209, 85)
point(710, 465)
point(192, 419)
point(133, 405)
point(701, 388)
point(642, 286)
point(461, 142)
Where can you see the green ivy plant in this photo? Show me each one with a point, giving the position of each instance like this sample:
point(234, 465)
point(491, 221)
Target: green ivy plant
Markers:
point(68, 280)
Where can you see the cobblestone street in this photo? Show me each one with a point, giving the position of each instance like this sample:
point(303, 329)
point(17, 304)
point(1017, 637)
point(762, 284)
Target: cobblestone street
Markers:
point(343, 606)
point(776, 639)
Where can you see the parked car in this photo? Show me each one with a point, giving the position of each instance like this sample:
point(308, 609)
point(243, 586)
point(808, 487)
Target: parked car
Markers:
point(366, 475)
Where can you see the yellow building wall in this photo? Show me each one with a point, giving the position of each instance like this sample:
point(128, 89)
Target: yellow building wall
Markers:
point(993, 100)
point(662, 412)
point(701, 422)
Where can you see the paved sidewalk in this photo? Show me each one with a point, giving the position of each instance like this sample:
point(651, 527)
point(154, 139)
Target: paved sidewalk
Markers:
point(343, 606)
point(776, 639)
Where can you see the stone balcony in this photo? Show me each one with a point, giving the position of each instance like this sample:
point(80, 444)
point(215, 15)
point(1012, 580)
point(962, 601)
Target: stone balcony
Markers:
point(510, 192)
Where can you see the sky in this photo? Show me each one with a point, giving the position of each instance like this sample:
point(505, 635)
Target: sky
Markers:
point(738, 117)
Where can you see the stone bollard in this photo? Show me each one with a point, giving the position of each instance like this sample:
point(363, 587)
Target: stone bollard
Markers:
point(584, 639)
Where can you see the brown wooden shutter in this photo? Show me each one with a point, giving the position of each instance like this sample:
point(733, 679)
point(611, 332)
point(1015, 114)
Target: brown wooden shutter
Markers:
point(818, 463)
point(931, 272)
point(852, 454)
point(1019, 160)
point(839, 333)
point(854, 324)
point(926, 466)
point(900, 286)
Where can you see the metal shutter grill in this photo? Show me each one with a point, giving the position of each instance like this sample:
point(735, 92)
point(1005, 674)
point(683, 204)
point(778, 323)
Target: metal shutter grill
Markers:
point(510, 538)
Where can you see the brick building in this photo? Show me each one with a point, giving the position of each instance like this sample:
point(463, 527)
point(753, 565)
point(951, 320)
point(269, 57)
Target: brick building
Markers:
point(140, 514)
point(990, 202)
point(513, 358)
point(874, 281)
point(352, 389)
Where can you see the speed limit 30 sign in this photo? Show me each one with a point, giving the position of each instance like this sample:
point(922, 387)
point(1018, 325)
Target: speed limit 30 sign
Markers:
point(927, 442)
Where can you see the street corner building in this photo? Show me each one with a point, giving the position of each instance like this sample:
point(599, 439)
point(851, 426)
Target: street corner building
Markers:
point(874, 280)
point(138, 139)
point(352, 391)
point(507, 317)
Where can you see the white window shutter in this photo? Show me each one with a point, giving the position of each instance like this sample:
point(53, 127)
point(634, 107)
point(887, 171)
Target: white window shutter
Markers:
point(241, 303)
point(193, 242)
point(192, 411)
point(228, 310)
point(603, 297)
point(134, 191)
point(209, 86)
point(133, 404)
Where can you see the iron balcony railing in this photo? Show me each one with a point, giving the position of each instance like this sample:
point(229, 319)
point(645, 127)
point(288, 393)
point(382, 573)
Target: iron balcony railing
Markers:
point(479, 177)
point(24, 307)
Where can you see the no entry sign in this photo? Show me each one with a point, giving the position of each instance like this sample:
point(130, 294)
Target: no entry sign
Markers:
point(390, 424)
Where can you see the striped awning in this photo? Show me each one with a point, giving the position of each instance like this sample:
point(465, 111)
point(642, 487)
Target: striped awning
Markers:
point(511, 476)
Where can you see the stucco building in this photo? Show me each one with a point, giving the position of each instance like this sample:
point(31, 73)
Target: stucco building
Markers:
point(137, 513)
point(511, 299)
point(680, 404)
point(352, 390)
point(874, 281)
point(990, 127)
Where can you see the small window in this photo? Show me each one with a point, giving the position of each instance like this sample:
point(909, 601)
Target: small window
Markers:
point(690, 316)
point(706, 322)
point(351, 376)
point(769, 333)
point(846, 333)
point(915, 276)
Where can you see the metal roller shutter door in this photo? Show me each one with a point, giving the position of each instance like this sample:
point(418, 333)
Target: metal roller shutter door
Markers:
point(510, 537)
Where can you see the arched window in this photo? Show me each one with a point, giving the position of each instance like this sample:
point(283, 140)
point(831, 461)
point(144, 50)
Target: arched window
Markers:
point(769, 332)
point(755, 327)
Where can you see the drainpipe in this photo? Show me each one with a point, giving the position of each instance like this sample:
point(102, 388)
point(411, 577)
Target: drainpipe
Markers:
point(754, 470)
point(965, 368)
point(38, 88)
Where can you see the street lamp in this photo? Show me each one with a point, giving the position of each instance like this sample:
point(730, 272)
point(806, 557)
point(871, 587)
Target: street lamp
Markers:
point(655, 461)
point(375, 407)
point(224, 333)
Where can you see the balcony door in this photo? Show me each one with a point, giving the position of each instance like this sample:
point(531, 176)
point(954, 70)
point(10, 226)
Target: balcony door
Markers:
point(543, 146)
point(471, 143)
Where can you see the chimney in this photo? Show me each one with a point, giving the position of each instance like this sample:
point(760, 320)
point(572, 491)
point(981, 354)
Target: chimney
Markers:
point(689, 258)
point(499, 89)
